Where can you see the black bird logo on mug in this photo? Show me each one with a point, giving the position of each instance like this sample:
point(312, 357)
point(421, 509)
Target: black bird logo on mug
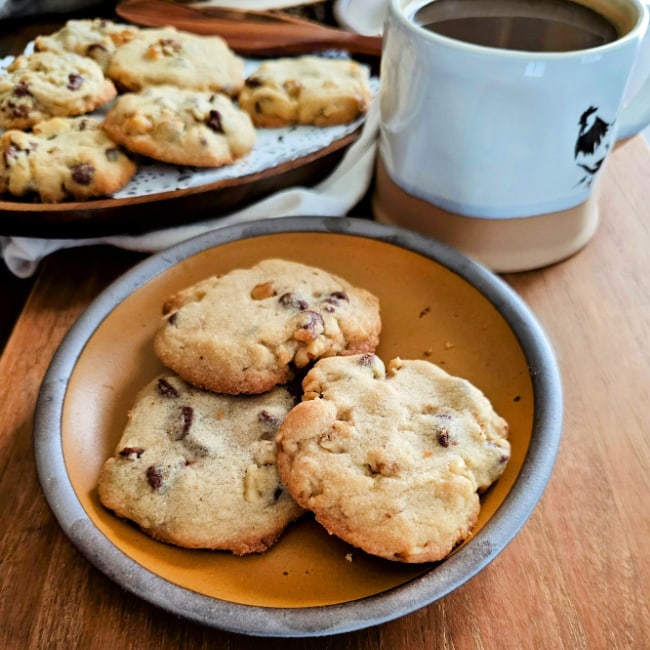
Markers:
point(593, 144)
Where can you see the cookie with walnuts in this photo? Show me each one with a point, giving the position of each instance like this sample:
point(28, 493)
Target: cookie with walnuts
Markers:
point(184, 127)
point(63, 158)
point(97, 38)
point(38, 86)
point(197, 470)
point(306, 90)
point(167, 56)
point(392, 458)
point(253, 328)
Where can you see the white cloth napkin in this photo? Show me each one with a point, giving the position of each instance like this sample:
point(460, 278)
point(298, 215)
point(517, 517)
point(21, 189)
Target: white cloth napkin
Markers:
point(333, 197)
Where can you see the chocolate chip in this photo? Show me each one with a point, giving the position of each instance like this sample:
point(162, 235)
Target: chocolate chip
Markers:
point(131, 452)
point(187, 417)
point(83, 173)
point(22, 89)
point(332, 301)
point(267, 417)
point(253, 82)
point(270, 422)
point(443, 438)
point(214, 121)
point(293, 301)
point(313, 323)
point(155, 476)
point(94, 47)
point(166, 389)
point(367, 359)
point(75, 81)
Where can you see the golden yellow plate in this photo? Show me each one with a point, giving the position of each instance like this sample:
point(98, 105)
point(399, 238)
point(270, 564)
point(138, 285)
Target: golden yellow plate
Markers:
point(435, 304)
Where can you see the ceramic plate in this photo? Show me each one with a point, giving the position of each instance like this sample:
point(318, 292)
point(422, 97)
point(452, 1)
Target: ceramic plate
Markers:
point(362, 16)
point(436, 304)
point(162, 195)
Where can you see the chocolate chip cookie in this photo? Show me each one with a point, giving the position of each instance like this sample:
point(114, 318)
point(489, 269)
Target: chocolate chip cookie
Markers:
point(97, 38)
point(197, 470)
point(38, 86)
point(392, 458)
point(63, 158)
point(167, 56)
point(251, 329)
point(184, 127)
point(306, 90)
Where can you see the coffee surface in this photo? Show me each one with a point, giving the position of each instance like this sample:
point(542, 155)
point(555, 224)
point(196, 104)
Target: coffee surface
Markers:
point(527, 25)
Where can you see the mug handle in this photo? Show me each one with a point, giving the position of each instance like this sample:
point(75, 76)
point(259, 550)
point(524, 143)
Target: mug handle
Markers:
point(635, 115)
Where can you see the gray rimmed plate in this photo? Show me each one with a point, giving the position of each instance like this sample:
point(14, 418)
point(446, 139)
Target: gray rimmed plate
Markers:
point(436, 304)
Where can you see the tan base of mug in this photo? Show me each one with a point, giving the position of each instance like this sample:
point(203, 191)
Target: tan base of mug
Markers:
point(503, 245)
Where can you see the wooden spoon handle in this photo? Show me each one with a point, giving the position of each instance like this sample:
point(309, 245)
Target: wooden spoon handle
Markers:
point(249, 36)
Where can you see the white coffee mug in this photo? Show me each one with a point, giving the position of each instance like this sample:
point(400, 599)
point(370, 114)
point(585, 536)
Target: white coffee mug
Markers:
point(485, 133)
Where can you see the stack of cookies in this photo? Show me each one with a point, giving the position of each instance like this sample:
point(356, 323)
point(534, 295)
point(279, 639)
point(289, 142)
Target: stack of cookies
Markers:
point(169, 95)
point(276, 406)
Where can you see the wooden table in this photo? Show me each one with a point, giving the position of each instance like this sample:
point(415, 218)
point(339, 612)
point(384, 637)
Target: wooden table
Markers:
point(576, 576)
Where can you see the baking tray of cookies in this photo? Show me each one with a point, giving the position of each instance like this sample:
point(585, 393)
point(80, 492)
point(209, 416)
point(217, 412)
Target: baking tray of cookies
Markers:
point(163, 194)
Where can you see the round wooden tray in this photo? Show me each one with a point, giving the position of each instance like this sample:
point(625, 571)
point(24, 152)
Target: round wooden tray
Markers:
point(140, 214)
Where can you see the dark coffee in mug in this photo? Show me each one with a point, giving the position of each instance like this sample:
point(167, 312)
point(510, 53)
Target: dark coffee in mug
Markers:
point(527, 25)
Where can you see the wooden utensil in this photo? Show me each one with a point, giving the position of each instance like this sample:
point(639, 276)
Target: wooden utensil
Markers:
point(270, 33)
